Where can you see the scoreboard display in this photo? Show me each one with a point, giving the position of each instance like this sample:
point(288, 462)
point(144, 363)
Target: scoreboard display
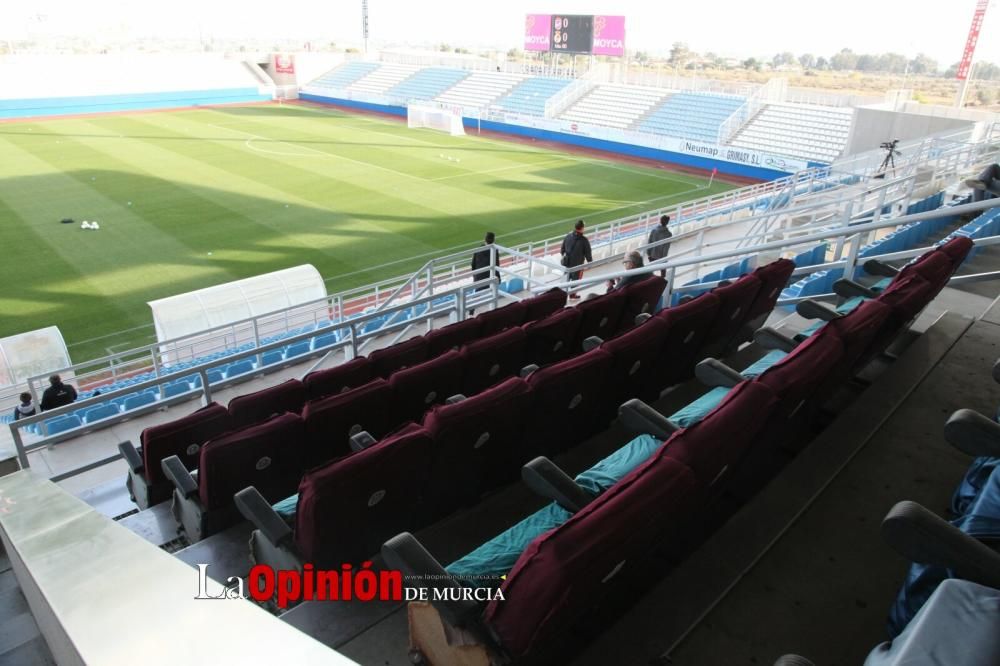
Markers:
point(572, 34)
point(575, 33)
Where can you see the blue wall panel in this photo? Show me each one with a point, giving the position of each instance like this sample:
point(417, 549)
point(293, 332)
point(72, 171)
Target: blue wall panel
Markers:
point(61, 106)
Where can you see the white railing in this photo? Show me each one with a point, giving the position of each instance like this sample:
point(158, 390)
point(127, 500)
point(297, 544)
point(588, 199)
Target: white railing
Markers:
point(566, 97)
point(772, 92)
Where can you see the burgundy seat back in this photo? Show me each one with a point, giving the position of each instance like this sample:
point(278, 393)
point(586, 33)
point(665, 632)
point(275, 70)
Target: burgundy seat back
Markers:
point(288, 396)
point(857, 332)
point(183, 438)
point(352, 374)
point(477, 445)
point(453, 336)
point(551, 339)
point(641, 297)
point(404, 354)
point(714, 445)
point(545, 304)
point(332, 421)
point(348, 508)
point(906, 297)
point(419, 388)
point(735, 301)
point(267, 456)
point(773, 278)
point(601, 316)
point(634, 355)
point(565, 403)
point(501, 319)
point(569, 569)
point(489, 361)
point(957, 249)
point(688, 326)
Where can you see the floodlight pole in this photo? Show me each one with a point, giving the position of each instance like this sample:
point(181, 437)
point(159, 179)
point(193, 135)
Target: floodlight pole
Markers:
point(364, 24)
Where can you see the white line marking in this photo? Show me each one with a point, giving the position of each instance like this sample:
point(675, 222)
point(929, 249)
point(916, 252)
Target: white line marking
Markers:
point(526, 166)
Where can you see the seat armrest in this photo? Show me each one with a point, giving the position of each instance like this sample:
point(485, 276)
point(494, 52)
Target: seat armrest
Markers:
point(793, 660)
point(972, 433)
point(404, 553)
point(769, 338)
point(256, 509)
point(362, 440)
point(714, 373)
point(849, 289)
point(593, 342)
point(996, 372)
point(815, 310)
point(455, 399)
point(545, 478)
point(178, 474)
point(639, 417)
point(922, 537)
point(642, 317)
point(880, 268)
point(132, 457)
point(528, 369)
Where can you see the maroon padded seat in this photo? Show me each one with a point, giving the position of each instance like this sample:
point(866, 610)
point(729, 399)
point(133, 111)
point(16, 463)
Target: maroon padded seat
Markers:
point(773, 278)
point(641, 297)
point(477, 445)
point(183, 438)
point(288, 396)
point(545, 304)
point(352, 374)
point(906, 297)
point(635, 355)
point(348, 508)
point(419, 388)
point(857, 332)
point(491, 360)
point(267, 456)
point(551, 339)
point(714, 445)
point(332, 421)
point(957, 249)
point(568, 570)
point(688, 324)
point(501, 319)
point(735, 301)
point(601, 316)
point(404, 354)
point(565, 404)
point(453, 336)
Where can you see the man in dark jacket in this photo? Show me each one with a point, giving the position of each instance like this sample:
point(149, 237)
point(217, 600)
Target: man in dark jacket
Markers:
point(483, 259)
point(631, 261)
point(662, 232)
point(575, 248)
point(57, 394)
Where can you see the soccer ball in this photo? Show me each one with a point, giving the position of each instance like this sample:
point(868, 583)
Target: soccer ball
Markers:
point(95, 225)
point(85, 225)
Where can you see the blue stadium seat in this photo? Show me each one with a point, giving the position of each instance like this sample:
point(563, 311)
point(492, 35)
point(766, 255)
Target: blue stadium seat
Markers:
point(215, 375)
point(323, 341)
point(139, 400)
point(175, 388)
point(297, 349)
point(62, 424)
point(272, 357)
point(530, 95)
point(239, 368)
point(105, 411)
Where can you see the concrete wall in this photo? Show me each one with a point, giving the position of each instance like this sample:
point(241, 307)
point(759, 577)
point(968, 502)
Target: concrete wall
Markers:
point(873, 126)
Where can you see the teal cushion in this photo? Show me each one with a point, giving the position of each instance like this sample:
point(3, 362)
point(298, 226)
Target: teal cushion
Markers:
point(612, 469)
point(763, 363)
point(286, 508)
point(497, 556)
point(699, 409)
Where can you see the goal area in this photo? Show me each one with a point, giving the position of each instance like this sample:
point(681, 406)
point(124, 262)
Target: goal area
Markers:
point(433, 117)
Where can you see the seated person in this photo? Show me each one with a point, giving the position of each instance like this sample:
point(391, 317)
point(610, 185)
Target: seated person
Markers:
point(987, 184)
point(632, 260)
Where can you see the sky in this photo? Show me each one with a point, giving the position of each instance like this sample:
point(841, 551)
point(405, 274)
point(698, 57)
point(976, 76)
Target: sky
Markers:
point(727, 27)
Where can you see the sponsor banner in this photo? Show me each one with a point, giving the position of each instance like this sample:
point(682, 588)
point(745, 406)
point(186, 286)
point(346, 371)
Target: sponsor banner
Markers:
point(536, 32)
point(609, 35)
point(284, 63)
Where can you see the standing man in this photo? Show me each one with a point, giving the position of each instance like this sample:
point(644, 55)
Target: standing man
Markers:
point(659, 233)
point(575, 248)
point(481, 261)
point(57, 394)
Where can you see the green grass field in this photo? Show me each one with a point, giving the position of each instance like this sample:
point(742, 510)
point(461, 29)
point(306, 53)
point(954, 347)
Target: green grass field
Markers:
point(193, 198)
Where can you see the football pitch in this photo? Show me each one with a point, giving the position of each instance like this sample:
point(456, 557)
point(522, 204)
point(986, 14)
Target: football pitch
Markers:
point(188, 199)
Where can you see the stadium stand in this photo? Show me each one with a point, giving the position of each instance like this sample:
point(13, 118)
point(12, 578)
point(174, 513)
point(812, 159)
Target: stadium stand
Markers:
point(379, 81)
point(427, 83)
point(346, 74)
point(813, 133)
point(529, 96)
point(614, 105)
point(479, 89)
point(694, 116)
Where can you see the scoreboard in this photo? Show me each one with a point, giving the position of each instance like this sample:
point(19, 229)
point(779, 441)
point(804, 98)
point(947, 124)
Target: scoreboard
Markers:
point(575, 33)
point(572, 34)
